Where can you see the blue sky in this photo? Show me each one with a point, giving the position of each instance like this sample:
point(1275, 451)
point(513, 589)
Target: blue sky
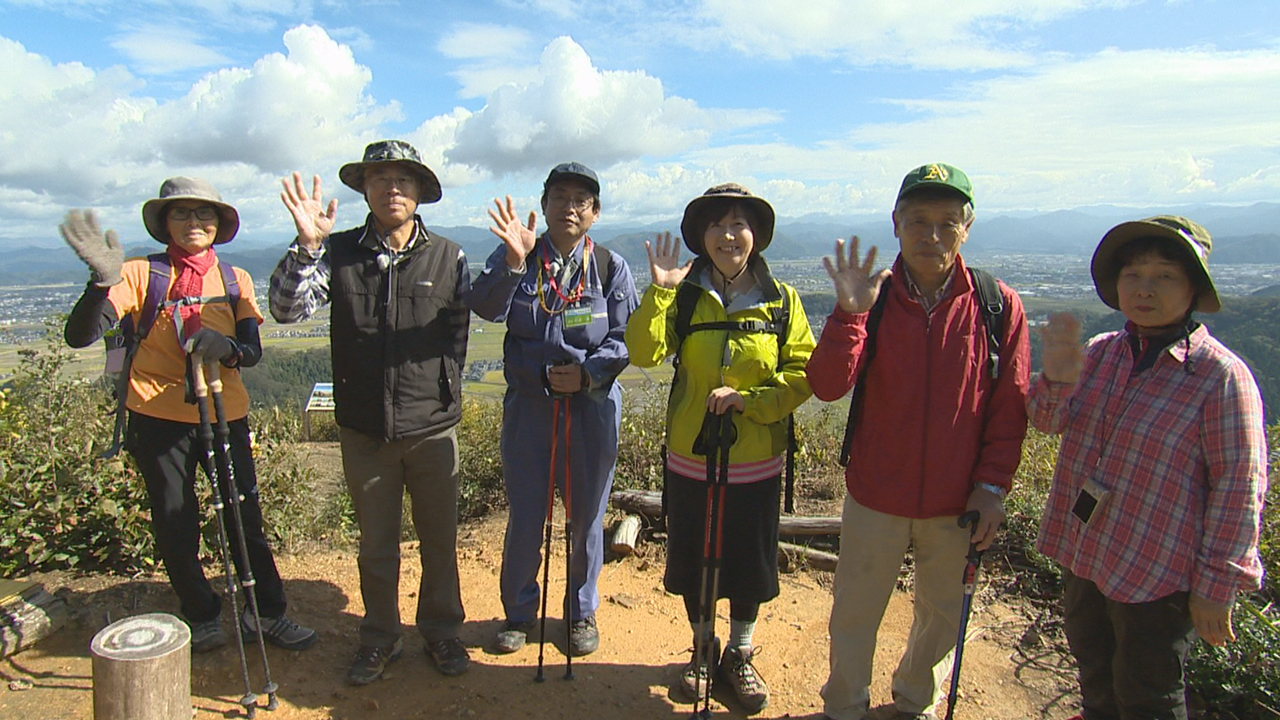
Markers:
point(820, 106)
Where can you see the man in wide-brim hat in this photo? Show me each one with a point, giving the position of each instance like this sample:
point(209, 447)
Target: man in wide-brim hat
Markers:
point(1155, 505)
point(399, 336)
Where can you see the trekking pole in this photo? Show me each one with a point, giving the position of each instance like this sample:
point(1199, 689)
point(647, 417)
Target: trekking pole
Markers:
point(969, 520)
point(716, 438)
point(228, 477)
point(196, 364)
point(570, 593)
point(546, 531)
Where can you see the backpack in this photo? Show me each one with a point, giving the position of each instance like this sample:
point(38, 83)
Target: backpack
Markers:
point(687, 295)
point(123, 344)
point(990, 301)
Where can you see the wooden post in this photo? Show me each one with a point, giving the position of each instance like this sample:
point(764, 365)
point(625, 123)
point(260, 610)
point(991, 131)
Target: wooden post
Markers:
point(624, 536)
point(142, 669)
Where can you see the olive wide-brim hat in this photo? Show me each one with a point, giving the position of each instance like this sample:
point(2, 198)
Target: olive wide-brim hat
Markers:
point(392, 151)
point(185, 188)
point(733, 192)
point(1188, 236)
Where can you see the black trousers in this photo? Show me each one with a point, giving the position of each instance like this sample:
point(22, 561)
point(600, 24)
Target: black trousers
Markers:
point(1132, 656)
point(168, 453)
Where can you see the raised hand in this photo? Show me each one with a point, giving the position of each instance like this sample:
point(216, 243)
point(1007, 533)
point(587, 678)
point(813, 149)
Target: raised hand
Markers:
point(664, 261)
point(1063, 354)
point(102, 253)
point(856, 288)
point(311, 217)
point(520, 238)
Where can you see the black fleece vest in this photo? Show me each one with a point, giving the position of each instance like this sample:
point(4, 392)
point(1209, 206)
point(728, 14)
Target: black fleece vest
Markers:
point(396, 334)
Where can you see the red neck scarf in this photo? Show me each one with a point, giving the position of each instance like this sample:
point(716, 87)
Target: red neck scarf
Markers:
point(190, 283)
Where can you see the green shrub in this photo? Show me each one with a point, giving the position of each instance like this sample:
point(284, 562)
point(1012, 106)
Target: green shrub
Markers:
point(62, 507)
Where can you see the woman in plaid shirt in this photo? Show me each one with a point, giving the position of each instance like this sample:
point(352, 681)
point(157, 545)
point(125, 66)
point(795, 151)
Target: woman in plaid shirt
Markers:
point(1155, 504)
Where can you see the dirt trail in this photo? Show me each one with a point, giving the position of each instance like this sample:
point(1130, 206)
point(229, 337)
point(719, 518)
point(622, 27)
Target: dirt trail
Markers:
point(645, 640)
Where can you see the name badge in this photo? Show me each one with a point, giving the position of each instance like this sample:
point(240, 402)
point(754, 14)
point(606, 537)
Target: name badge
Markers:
point(577, 316)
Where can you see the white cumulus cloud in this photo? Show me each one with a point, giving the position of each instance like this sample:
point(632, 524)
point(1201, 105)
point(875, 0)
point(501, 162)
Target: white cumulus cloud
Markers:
point(573, 110)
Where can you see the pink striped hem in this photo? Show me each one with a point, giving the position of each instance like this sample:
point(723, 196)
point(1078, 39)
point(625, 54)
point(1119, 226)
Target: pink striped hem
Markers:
point(739, 473)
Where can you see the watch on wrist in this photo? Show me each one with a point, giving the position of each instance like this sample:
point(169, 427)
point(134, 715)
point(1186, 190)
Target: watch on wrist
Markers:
point(994, 490)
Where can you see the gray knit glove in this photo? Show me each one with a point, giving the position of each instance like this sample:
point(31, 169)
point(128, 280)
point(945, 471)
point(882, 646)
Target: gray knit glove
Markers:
point(210, 345)
point(102, 253)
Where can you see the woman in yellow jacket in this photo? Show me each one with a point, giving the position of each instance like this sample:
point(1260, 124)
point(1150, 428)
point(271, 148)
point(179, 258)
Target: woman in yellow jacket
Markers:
point(755, 375)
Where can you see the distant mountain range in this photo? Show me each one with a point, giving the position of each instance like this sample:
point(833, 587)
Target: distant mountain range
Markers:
point(1247, 234)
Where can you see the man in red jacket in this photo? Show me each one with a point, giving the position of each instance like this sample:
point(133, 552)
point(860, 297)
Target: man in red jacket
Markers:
point(936, 435)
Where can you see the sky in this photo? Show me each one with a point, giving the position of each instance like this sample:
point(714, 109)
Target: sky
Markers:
point(820, 107)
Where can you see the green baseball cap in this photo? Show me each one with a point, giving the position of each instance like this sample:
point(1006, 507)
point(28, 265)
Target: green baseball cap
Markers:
point(937, 175)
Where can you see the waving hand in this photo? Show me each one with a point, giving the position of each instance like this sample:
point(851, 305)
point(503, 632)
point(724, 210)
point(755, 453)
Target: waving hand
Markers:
point(856, 288)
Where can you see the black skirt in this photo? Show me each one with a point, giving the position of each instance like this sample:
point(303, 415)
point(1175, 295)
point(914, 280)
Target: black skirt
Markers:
point(749, 550)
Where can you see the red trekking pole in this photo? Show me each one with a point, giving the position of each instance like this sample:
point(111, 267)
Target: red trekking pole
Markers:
point(717, 436)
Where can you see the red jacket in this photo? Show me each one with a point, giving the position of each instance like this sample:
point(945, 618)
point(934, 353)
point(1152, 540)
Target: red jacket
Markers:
point(933, 423)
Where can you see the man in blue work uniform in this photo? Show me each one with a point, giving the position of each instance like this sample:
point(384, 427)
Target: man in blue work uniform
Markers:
point(565, 301)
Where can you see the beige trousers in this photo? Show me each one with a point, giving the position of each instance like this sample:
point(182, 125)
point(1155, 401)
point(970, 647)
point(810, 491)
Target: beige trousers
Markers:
point(872, 546)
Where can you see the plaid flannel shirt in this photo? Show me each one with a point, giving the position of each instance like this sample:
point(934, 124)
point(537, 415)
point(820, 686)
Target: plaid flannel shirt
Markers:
point(299, 284)
point(1182, 450)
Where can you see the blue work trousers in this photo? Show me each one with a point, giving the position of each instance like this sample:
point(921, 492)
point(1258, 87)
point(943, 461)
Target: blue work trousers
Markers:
point(592, 445)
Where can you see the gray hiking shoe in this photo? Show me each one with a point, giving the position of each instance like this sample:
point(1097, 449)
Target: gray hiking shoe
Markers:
point(207, 635)
point(281, 632)
point(584, 637)
point(512, 636)
point(371, 660)
point(738, 673)
point(450, 656)
point(695, 678)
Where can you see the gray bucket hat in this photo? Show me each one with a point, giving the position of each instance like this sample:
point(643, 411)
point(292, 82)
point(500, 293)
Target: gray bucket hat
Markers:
point(392, 151)
point(1185, 234)
point(728, 191)
point(185, 188)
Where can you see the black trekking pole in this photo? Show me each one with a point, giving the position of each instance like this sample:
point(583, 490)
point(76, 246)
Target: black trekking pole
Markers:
point(226, 471)
point(249, 701)
point(716, 438)
point(570, 594)
point(546, 531)
point(974, 558)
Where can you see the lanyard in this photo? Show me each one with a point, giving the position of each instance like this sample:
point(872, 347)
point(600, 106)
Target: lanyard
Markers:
point(544, 269)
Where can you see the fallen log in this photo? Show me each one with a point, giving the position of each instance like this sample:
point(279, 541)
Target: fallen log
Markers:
point(818, 559)
point(624, 536)
point(28, 614)
point(649, 504)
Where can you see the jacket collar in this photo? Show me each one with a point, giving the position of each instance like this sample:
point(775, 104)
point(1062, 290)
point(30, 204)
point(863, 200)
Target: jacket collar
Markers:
point(769, 289)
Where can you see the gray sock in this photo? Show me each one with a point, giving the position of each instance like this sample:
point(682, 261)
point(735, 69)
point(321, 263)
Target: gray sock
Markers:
point(740, 632)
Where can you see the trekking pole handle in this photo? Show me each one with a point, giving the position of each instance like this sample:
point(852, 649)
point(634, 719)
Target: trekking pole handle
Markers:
point(198, 382)
point(970, 520)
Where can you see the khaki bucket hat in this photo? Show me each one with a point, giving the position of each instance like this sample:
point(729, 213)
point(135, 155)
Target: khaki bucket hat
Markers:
point(185, 188)
point(732, 192)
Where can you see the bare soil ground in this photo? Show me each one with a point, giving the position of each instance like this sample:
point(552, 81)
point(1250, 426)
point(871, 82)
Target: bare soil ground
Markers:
point(1009, 671)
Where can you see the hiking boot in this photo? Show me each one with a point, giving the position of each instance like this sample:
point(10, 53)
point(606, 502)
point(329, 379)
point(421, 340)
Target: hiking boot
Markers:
point(695, 678)
point(207, 635)
point(281, 632)
point(512, 636)
point(450, 656)
point(371, 660)
point(738, 673)
point(584, 637)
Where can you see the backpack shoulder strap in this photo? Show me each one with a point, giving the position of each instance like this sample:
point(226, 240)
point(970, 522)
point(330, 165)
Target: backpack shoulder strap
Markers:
point(868, 354)
point(601, 256)
point(159, 271)
point(230, 285)
point(991, 301)
point(686, 300)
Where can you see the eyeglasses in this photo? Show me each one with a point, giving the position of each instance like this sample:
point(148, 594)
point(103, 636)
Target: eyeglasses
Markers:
point(384, 182)
point(947, 231)
point(182, 214)
point(577, 203)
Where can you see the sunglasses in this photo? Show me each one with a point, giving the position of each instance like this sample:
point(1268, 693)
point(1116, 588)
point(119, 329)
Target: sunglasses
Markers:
point(204, 212)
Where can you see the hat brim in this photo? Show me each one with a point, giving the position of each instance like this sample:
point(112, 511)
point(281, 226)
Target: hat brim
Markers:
point(352, 175)
point(1106, 273)
point(762, 236)
point(153, 217)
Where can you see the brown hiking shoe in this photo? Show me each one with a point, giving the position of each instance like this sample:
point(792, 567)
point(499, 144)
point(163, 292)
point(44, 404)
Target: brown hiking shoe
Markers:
point(450, 656)
point(695, 678)
point(371, 660)
point(738, 673)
